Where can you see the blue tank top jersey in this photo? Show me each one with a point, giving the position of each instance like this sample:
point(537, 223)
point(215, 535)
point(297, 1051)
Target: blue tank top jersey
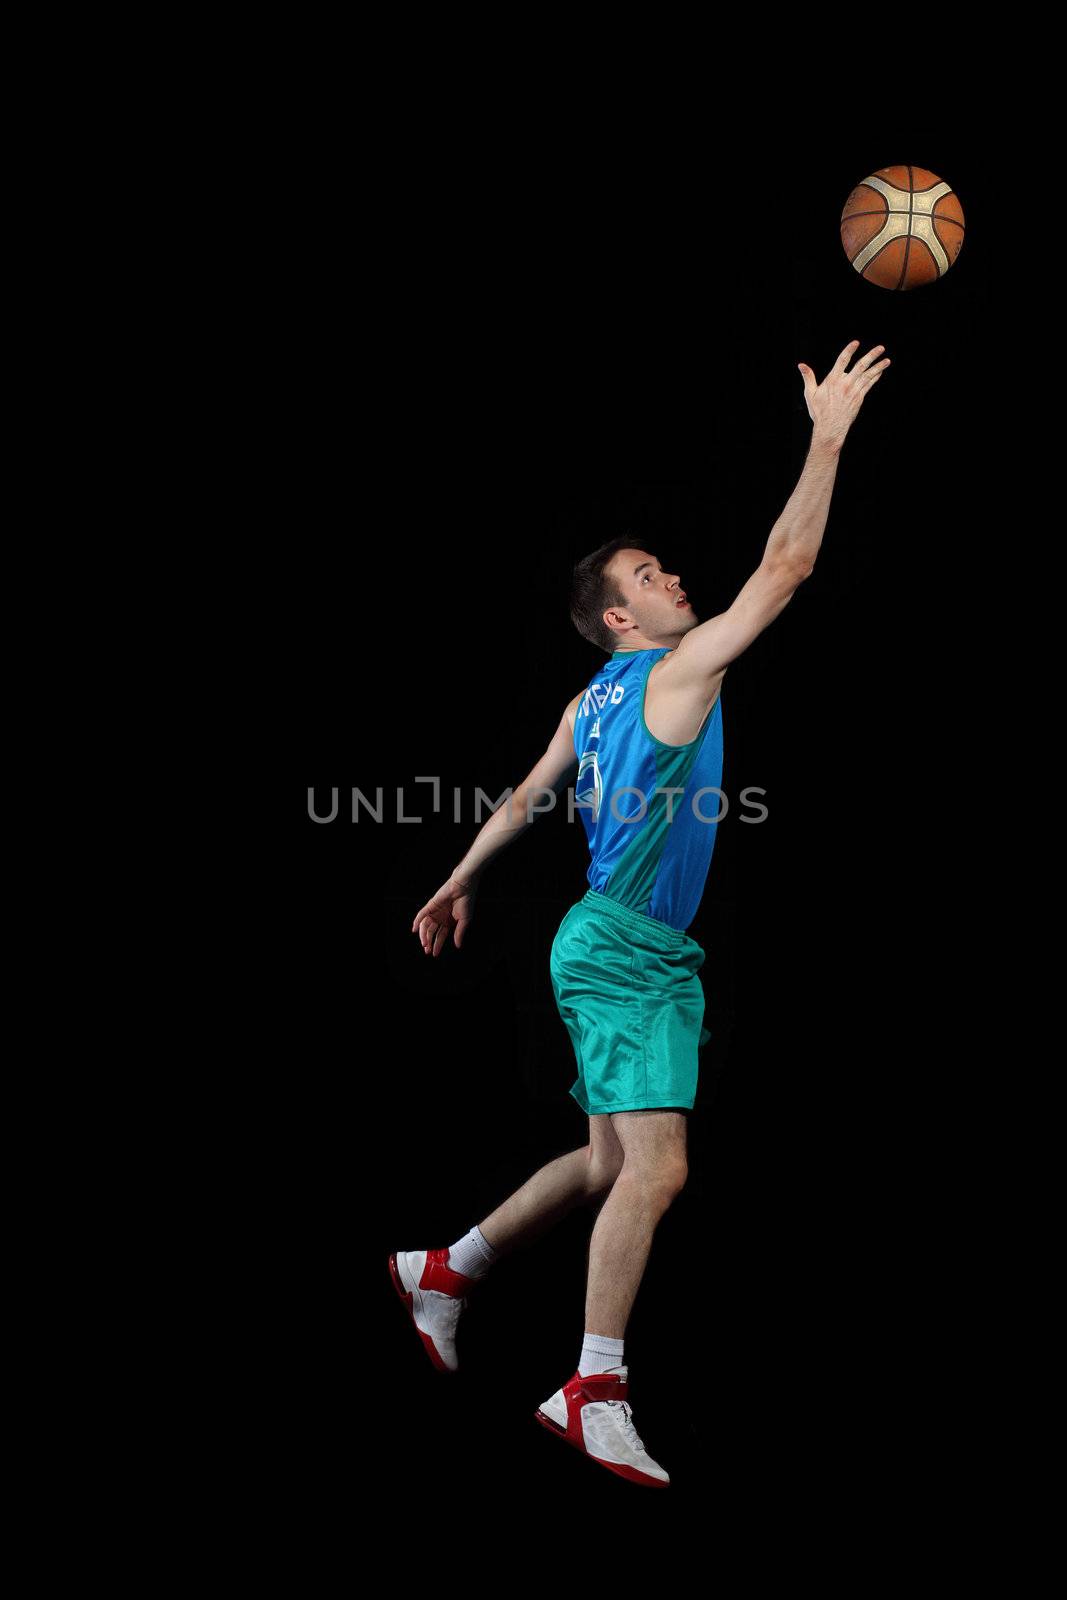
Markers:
point(640, 858)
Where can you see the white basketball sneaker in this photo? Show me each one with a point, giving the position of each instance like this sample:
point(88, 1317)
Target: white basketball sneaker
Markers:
point(435, 1295)
point(592, 1414)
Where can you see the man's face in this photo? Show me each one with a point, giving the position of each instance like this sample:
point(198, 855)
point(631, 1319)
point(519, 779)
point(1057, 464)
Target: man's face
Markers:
point(654, 599)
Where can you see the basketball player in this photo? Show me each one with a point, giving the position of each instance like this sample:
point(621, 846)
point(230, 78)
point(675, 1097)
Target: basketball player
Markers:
point(644, 741)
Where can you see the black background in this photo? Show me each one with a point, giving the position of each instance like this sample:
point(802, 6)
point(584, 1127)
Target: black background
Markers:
point(539, 356)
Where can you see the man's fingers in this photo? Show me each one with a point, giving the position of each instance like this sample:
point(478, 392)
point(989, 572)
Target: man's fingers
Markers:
point(433, 929)
point(847, 353)
point(809, 378)
point(864, 361)
point(875, 373)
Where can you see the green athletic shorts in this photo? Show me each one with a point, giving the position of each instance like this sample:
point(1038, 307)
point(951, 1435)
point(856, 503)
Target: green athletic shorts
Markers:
point(627, 989)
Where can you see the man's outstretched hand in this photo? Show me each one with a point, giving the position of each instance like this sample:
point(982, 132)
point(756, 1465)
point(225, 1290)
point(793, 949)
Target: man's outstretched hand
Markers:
point(450, 910)
point(834, 403)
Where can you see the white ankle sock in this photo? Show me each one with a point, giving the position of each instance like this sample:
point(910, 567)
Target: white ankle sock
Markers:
point(599, 1354)
point(472, 1255)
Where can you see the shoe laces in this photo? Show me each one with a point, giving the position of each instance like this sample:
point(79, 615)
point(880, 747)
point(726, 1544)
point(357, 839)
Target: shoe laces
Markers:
point(626, 1423)
point(452, 1307)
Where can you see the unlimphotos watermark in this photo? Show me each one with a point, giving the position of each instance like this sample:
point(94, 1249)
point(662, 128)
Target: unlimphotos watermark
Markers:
point(538, 801)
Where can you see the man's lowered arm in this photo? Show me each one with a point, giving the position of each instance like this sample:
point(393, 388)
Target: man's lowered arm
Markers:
point(550, 773)
point(452, 907)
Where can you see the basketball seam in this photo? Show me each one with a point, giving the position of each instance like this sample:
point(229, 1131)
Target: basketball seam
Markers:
point(936, 216)
point(907, 239)
point(911, 182)
point(930, 253)
point(864, 184)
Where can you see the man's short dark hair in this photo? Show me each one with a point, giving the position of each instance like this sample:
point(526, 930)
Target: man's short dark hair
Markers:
point(593, 593)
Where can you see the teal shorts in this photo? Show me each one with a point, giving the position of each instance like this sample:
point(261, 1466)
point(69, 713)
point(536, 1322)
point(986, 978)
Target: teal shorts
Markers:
point(627, 989)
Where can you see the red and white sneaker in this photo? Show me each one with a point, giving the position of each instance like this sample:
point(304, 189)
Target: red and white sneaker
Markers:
point(434, 1295)
point(592, 1414)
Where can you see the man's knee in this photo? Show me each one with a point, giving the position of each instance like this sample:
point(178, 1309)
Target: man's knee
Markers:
point(675, 1174)
point(661, 1178)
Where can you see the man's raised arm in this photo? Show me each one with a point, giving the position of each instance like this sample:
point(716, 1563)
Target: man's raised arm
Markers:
point(452, 906)
point(706, 650)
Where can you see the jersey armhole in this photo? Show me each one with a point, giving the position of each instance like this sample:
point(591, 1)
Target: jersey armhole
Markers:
point(697, 738)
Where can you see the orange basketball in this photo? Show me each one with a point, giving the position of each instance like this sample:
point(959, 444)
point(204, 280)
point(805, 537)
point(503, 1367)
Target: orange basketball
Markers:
point(902, 227)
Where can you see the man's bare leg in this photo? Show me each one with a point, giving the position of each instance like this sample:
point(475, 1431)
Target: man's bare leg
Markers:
point(653, 1172)
point(581, 1177)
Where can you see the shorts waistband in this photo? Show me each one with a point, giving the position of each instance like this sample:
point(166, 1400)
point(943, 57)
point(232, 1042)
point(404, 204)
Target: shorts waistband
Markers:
point(650, 926)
